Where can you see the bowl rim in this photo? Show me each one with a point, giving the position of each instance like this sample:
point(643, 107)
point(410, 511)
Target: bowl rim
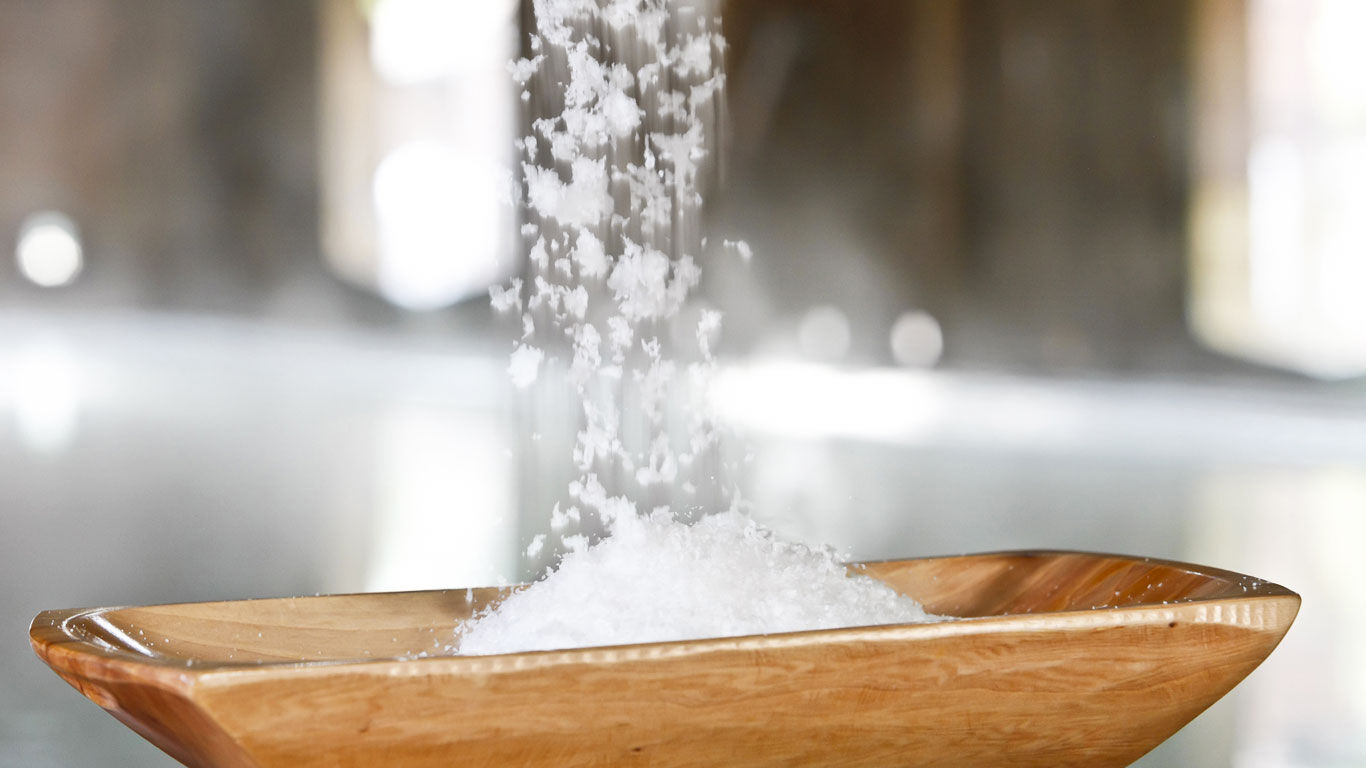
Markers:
point(63, 640)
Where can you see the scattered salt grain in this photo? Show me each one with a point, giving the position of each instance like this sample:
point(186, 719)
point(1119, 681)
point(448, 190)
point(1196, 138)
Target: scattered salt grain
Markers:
point(506, 299)
point(589, 254)
point(740, 247)
point(525, 365)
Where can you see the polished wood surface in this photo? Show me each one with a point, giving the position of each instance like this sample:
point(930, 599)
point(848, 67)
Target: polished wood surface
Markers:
point(1060, 658)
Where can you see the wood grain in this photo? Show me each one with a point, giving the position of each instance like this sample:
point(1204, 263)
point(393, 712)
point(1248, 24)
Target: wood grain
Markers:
point(1061, 658)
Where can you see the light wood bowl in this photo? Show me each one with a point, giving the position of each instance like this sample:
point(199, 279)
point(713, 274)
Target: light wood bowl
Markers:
point(1061, 658)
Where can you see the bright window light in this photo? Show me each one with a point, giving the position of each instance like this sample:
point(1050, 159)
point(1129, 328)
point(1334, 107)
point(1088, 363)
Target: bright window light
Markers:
point(442, 219)
point(416, 41)
point(43, 385)
point(445, 501)
point(824, 334)
point(49, 250)
point(917, 340)
point(1280, 247)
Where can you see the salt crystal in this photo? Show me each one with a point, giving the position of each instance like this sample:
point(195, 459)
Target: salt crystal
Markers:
point(587, 351)
point(598, 439)
point(583, 201)
point(708, 325)
point(588, 490)
point(504, 299)
point(741, 247)
point(525, 365)
point(694, 57)
point(558, 519)
point(622, 113)
point(621, 334)
point(538, 255)
point(671, 105)
point(683, 150)
point(655, 384)
point(589, 254)
point(639, 282)
point(523, 69)
point(702, 93)
point(547, 295)
point(662, 466)
point(576, 302)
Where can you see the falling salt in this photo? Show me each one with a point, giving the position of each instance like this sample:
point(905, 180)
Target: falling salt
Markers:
point(623, 141)
point(741, 247)
point(526, 362)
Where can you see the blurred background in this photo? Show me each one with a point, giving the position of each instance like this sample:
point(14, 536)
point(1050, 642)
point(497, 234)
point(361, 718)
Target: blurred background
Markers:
point(1073, 273)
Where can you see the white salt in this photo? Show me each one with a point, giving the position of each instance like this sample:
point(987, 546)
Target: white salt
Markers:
point(741, 247)
point(583, 201)
point(611, 189)
point(525, 365)
point(657, 579)
point(589, 254)
point(640, 281)
point(708, 326)
point(622, 113)
point(507, 299)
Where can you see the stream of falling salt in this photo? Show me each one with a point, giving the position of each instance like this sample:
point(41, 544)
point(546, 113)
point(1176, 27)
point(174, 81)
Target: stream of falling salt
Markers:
point(625, 101)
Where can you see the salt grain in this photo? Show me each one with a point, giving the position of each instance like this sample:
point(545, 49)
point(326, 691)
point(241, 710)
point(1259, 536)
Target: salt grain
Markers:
point(525, 365)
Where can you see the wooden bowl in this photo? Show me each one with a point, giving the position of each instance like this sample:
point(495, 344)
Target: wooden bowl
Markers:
point(1061, 658)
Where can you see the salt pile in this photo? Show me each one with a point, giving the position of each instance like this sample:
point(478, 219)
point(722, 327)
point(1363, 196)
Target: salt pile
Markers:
point(657, 579)
point(625, 110)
